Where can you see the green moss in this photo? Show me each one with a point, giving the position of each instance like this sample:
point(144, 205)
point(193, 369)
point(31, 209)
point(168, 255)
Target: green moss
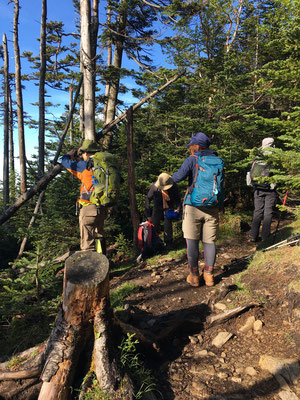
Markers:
point(117, 296)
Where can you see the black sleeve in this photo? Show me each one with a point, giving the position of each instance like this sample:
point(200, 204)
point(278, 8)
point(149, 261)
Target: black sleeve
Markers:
point(149, 198)
point(177, 199)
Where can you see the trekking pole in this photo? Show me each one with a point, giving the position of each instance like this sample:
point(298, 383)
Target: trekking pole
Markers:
point(295, 241)
point(290, 240)
point(280, 216)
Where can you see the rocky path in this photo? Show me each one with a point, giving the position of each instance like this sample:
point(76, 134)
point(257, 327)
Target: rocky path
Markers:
point(254, 355)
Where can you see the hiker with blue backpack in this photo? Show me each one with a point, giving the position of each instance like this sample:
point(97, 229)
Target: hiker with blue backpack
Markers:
point(99, 175)
point(203, 200)
point(163, 203)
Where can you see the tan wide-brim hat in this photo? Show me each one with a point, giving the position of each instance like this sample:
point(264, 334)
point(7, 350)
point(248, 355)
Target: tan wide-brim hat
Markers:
point(164, 181)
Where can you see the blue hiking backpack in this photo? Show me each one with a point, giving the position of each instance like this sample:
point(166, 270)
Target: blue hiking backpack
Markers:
point(208, 186)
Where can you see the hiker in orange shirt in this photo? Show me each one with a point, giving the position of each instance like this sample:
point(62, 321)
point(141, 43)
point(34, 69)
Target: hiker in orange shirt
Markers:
point(91, 217)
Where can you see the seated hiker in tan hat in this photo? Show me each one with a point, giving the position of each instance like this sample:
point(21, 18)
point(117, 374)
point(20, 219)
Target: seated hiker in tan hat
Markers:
point(166, 198)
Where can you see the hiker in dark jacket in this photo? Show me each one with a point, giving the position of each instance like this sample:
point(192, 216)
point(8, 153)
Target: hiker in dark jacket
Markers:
point(164, 195)
point(199, 223)
point(264, 201)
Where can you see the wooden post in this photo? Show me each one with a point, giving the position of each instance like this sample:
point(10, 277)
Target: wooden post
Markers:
point(131, 178)
point(86, 289)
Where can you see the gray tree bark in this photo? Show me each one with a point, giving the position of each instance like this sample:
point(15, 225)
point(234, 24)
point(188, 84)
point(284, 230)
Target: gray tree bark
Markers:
point(114, 85)
point(5, 126)
point(89, 30)
point(70, 108)
point(131, 178)
point(12, 174)
point(41, 167)
point(19, 100)
point(108, 63)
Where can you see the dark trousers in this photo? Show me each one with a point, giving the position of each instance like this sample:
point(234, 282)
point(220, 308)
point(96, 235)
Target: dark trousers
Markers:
point(264, 203)
point(157, 216)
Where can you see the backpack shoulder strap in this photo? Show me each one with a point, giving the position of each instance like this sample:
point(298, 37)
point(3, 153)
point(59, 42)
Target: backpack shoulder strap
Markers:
point(140, 236)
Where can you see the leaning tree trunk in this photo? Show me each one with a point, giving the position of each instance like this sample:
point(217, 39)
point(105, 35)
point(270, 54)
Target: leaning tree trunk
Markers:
point(85, 306)
point(32, 221)
point(19, 100)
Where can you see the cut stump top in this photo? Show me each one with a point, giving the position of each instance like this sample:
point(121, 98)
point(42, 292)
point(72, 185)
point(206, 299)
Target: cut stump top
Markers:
point(86, 284)
point(86, 268)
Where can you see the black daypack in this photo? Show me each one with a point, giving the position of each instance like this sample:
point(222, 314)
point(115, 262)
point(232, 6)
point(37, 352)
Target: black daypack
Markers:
point(149, 243)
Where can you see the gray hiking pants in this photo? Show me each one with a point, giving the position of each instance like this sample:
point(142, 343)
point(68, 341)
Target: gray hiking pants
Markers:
point(157, 216)
point(264, 203)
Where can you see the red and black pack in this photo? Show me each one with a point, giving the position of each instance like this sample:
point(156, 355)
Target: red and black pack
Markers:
point(149, 242)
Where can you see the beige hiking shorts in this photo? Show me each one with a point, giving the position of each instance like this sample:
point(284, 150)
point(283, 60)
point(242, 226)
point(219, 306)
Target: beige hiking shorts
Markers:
point(200, 223)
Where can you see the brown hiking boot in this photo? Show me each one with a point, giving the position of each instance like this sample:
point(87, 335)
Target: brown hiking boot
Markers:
point(193, 279)
point(208, 278)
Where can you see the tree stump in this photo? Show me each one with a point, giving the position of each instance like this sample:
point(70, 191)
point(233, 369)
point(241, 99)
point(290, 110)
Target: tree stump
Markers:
point(85, 295)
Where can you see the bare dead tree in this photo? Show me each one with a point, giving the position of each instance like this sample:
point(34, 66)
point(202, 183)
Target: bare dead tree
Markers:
point(233, 25)
point(20, 111)
point(89, 30)
point(12, 173)
point(108, 62)
point(5, 125)
point(71, 87)
point(42, 77)
point(114, 84)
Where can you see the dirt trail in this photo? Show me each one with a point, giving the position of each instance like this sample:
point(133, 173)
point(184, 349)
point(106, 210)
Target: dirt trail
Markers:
point(189, 365)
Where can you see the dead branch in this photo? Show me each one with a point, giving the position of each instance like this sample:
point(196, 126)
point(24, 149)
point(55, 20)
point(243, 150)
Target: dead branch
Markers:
point(237, 15)
point(220, 318)
point(21, 374)
point(110, 125)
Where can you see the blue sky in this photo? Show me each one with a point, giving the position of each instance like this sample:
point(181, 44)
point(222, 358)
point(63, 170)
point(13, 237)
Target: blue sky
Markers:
point(29, 32)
